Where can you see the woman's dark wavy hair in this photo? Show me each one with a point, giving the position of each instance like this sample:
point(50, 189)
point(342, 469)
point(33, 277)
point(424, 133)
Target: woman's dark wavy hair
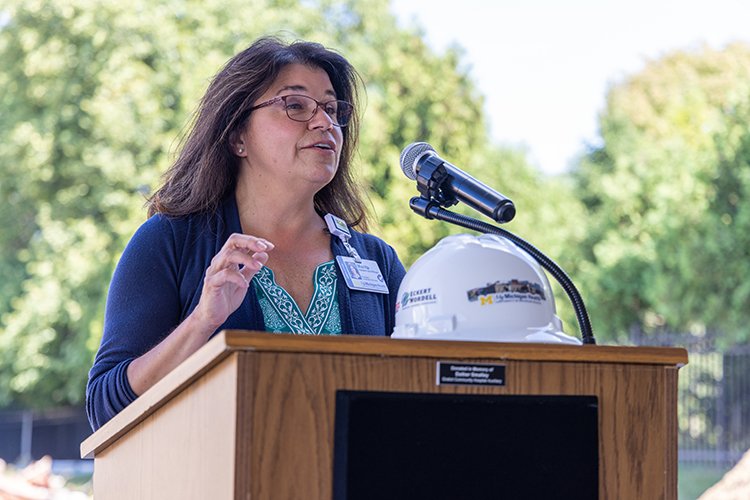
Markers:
point(206, 168)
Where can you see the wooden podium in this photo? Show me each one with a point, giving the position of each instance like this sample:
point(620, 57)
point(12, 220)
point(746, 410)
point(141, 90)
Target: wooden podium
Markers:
point(251, 415)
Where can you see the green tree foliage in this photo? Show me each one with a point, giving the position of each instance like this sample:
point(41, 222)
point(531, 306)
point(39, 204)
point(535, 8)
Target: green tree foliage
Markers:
point(668, 242)
point(95, 93)
point(85, 110)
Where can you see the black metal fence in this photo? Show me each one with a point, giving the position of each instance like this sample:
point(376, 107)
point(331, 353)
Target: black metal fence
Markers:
point(27, 435)
point(713, 399)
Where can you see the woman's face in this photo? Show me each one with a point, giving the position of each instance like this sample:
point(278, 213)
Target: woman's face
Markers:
point(278, 151)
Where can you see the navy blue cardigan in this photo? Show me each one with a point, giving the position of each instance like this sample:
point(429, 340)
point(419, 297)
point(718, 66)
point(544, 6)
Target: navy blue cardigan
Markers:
point(158, 282)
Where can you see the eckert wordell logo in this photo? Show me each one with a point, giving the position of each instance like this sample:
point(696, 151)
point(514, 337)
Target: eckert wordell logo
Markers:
point(414, 297)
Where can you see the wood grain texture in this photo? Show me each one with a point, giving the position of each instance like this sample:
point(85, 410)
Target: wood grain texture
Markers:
point(232, 340)
point(251, 415)
point(670, 404)
point(158, 395)
point(291, 424)
point(183, 451)
point(357, 344)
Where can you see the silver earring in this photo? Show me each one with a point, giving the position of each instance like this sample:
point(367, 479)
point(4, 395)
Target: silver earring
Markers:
point(241, 150)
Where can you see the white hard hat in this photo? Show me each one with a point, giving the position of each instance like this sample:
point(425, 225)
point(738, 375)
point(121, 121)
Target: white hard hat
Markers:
point(478, 288)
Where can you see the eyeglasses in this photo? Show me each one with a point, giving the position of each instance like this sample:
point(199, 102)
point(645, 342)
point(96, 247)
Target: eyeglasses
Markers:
point(302, 108)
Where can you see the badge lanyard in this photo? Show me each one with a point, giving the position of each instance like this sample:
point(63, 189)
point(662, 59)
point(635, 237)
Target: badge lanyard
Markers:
point(359, 274)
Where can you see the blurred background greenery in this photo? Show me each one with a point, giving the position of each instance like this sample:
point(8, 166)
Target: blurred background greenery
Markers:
point(652, 225)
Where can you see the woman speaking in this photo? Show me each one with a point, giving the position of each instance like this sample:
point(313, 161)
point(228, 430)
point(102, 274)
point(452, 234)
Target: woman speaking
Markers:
point(253, 227)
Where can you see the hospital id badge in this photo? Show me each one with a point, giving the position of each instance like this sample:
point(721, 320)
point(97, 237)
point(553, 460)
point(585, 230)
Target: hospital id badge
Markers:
point(364, 275)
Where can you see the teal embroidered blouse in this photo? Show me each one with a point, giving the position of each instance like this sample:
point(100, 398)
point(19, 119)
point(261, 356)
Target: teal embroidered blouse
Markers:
point(281, 313)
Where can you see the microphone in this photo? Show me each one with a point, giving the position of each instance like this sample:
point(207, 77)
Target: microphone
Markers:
point(455, 184)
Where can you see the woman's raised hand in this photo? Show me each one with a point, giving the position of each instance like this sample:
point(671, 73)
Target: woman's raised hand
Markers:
point(228, 278)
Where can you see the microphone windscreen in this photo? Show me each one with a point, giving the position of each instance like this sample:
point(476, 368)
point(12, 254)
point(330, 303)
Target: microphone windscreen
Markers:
point(410, 155)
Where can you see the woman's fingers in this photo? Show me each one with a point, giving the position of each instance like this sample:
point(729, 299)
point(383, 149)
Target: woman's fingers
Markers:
point(227, 276)
point(230, 259)
point(241, 251)
point(258, 260)
point(248, 243)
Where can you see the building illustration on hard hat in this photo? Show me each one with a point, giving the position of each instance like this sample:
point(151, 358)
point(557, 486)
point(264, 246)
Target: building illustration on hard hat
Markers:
point(513, 286)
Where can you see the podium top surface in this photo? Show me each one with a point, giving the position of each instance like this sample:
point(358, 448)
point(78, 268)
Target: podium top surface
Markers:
point(229, 341)
point(379, 346)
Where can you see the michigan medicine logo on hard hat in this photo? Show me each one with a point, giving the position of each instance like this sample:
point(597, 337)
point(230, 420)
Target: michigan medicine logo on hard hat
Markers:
point(507, 291)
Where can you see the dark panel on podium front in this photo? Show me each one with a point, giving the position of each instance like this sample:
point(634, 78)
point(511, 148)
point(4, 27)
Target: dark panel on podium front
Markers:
point(410, 446)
